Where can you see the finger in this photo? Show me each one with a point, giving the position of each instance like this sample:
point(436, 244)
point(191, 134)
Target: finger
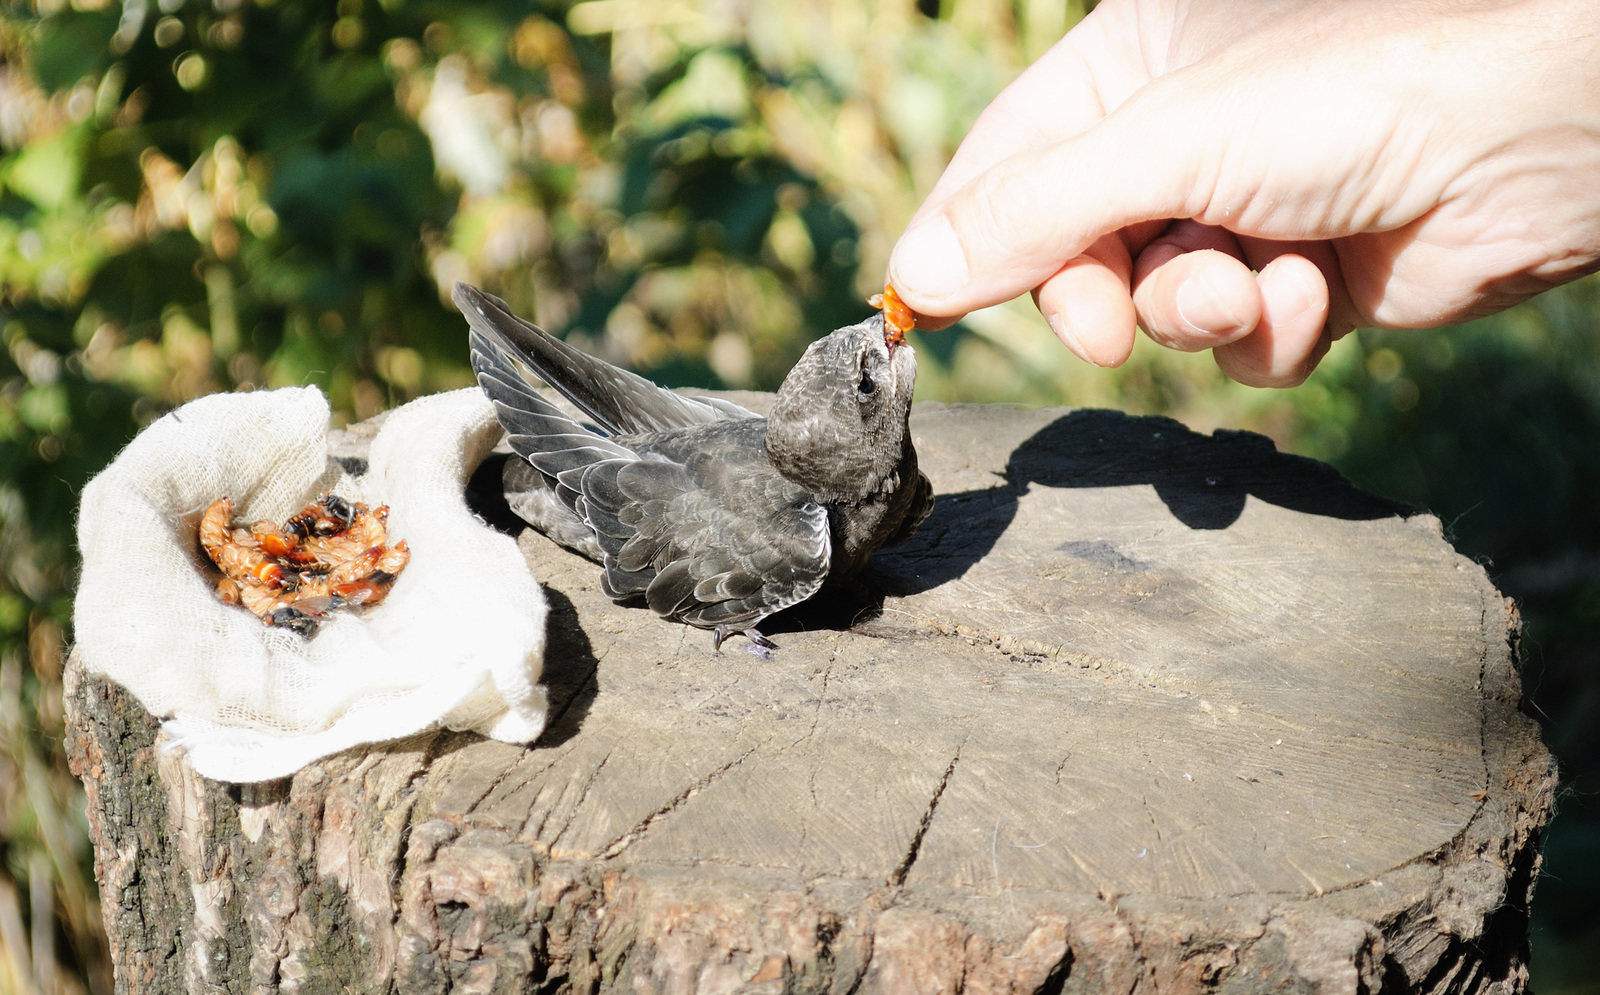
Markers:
point(1192, 289)
point(1088, 306)
point(923, 323)
point(1087, 310)
point(1292, 336)
point(1066, 91)
point(1342, 316)
point(1014, 225)
point(1055, 98)
point(1178, 237)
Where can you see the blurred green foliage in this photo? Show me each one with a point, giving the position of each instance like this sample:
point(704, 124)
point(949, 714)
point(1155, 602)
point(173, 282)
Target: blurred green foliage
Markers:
point(202, 195)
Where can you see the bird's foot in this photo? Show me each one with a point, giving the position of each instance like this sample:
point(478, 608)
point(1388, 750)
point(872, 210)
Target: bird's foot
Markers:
point(756, 636)
point(760, 645)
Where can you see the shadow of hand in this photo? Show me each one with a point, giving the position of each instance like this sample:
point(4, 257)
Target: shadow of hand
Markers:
point(1202, 479)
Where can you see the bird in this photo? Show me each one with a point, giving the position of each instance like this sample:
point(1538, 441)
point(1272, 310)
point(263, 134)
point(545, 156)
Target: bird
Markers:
point(709, 513)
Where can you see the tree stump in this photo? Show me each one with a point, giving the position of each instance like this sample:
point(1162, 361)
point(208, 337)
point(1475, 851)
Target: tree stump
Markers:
point(1137, 710)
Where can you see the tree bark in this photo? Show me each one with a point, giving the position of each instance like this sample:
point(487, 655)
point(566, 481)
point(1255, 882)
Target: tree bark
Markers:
point(1137, 710)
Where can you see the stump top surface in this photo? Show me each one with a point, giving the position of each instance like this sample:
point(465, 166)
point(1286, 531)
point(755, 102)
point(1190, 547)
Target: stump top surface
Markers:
point(1136, 709)
point(1120, 658)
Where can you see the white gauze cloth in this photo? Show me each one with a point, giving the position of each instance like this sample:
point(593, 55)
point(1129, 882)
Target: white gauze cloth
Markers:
point(458, 642)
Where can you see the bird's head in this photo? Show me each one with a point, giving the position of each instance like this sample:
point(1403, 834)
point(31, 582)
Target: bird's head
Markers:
point(838, 426)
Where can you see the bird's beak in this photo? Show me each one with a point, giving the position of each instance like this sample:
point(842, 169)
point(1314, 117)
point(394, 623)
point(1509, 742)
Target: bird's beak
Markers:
point(890, 337)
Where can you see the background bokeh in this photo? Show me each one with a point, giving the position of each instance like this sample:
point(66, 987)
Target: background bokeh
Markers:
point(204, 195)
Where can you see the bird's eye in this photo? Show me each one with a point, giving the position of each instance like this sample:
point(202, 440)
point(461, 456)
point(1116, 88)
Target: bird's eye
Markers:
point(866, 386)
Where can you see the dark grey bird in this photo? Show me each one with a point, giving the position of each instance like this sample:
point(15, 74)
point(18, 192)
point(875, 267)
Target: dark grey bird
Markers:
point(710, 513)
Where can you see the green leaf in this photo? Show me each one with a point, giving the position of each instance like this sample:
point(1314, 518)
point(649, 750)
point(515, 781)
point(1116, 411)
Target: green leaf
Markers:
point(74, 44)
point(48, 170)
point(44, 409)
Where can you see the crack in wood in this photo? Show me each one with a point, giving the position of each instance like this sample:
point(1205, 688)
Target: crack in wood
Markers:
point(870, 941)
point(720, 692)
point(1513, 631)
point(628, 838)
point(408, 796)
point(822, 699)
point(897, 880)
point(1144, 800)
point(811, 731)
point(583, 795)
point(470, 808)
point(1135, 946)
point(554, 721)
point(509, 787)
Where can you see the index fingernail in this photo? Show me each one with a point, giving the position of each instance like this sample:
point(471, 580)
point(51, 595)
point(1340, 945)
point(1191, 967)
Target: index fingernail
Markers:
point(1063, 328)
point(929, 260)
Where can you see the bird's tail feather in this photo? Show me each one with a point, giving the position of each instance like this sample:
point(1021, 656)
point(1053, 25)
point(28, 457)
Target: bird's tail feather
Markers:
point(620, 402)
point(538, 430)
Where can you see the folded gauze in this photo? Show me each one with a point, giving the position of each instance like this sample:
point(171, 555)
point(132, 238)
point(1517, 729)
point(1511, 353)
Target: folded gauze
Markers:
point(458, 642)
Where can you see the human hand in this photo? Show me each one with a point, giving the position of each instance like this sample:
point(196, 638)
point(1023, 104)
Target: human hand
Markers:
point(1260, 178)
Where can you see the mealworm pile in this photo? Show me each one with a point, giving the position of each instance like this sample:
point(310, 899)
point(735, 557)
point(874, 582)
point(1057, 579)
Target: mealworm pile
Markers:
point(331, 554)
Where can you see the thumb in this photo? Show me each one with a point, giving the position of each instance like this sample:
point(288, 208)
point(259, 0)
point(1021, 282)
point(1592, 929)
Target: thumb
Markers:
point(1015, 224)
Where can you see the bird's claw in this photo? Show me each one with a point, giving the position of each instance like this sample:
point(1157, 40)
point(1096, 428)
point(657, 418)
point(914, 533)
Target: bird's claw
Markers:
point(760, 644)
point(756, 636)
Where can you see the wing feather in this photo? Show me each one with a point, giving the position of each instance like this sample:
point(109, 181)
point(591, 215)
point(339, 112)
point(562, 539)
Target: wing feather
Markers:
point(620, 402)
point(683, 506)
point(726, 530)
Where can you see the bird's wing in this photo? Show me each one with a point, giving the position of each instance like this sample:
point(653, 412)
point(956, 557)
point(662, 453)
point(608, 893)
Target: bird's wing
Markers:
point(620, 402)
point(718, 539)
point(696, 520)
point(553, 446)
point(536, 429)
